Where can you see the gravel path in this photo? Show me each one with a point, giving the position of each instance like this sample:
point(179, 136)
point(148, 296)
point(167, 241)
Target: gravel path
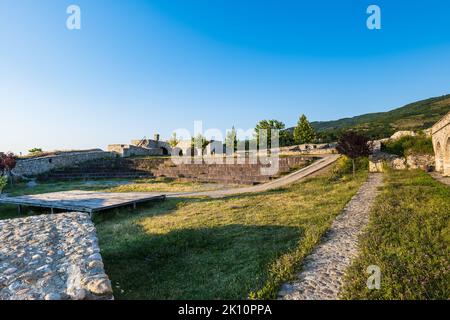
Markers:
point(323, 270)
point(296, 176)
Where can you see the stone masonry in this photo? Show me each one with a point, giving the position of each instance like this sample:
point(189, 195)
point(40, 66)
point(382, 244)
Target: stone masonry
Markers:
point(51, 257)
point(441, 143)
point(37, 166)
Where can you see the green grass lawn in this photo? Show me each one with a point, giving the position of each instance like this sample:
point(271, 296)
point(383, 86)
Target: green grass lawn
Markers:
point(233, 248)
point(408, 238)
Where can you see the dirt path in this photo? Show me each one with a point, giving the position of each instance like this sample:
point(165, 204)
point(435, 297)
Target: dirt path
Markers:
point(301, 174)
point(323, 270)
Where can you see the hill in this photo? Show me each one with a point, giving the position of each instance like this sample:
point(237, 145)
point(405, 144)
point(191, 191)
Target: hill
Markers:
point(415, 116)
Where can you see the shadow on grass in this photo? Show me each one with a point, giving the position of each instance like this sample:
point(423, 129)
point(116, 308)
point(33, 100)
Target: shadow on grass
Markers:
point(225, 262)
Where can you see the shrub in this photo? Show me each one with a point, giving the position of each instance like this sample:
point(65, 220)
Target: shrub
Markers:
point(344, 166)
point(35, 150)
point(409, 145)
point(3, 183)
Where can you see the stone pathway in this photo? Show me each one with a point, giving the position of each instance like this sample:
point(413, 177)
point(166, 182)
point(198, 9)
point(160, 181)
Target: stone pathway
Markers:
point(51, 257)
point(323, 270)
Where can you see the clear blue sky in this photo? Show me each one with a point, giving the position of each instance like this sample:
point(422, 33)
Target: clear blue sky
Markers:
point(140, 67)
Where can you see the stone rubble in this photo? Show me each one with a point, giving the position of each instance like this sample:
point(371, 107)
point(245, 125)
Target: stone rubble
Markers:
point(51, 257)
point(323, 270)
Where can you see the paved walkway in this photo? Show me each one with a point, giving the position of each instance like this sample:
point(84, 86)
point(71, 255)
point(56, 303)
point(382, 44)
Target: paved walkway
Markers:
point(323, 270)
point(439, 177)
point(296, 176)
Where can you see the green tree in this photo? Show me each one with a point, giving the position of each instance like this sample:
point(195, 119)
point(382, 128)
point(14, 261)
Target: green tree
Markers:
point(231, 141)
point(35, 150)
point(304, 132)
point(200, 142)
point(173, 141)
point(267, 126)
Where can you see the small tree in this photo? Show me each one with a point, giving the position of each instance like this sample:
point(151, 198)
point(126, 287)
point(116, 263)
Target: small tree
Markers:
point(231, 141)
point(173, 141)
point(304, 132)
point(7, 164)
point(35, 150)
point(199, 142)
point(353, 145)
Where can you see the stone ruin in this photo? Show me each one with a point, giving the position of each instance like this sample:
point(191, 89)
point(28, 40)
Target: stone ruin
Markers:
point(51, 257)
point(440, 134)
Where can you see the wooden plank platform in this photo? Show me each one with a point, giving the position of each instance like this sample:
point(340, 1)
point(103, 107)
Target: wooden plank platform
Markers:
point(82, 201)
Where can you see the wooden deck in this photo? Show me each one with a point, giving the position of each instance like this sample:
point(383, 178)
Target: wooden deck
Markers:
point(82, 201)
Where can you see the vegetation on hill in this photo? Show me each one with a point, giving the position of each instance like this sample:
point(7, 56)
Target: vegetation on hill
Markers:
point(415, 116)
point(408, 238)
point(409, 145)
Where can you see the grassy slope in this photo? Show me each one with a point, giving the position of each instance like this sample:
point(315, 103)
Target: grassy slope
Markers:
point(409, 239)
point(219, 248)
point(415, 116)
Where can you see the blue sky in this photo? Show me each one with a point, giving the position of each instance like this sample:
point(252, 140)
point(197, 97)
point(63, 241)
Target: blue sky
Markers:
point(140, 67)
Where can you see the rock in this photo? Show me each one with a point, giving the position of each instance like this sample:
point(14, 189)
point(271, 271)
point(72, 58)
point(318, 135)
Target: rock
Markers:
point(52, 296)
point(100, 286)
point(9, 271)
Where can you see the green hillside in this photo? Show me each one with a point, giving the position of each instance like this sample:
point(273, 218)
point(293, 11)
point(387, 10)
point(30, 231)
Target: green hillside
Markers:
point(415, 116)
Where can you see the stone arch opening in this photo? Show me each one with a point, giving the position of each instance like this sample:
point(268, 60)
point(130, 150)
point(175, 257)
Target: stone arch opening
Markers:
point(439, 157)
point(447, 157)
point(165, 151)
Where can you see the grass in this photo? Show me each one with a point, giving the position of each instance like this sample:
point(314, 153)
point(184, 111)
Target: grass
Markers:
point(408, 238)
point(409, 145)
point(233, 248)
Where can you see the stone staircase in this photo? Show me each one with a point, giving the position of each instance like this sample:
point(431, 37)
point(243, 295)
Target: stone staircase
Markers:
point(163, 167)
point(118, 168)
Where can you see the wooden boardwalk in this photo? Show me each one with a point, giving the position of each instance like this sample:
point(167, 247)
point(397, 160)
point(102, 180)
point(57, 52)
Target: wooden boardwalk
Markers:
point(82, 201)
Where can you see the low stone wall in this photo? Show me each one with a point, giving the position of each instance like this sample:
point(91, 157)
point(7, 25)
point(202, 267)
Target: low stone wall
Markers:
point(51, 257)
point(380, 160)
point(37, 166)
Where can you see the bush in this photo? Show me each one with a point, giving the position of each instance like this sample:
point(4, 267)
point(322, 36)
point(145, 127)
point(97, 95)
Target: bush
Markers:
point(344, 166)
point(409, 145)
point(3, 182)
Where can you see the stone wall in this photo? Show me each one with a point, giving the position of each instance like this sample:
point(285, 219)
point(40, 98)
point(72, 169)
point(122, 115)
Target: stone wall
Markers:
point(37, 166)
point(51, 257)
point(151, 167)
point(379, 160)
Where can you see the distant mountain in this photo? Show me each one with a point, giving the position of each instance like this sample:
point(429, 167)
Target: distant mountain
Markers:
point(415, 116)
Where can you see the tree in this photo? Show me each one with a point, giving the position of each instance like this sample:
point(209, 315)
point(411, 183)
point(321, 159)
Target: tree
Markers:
point(304, 132)
point(267, 126)
point(173, 141)
point(353, 145)
point(35, 150)
point(7, 164)
point(231, 141)
point(199, 142)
